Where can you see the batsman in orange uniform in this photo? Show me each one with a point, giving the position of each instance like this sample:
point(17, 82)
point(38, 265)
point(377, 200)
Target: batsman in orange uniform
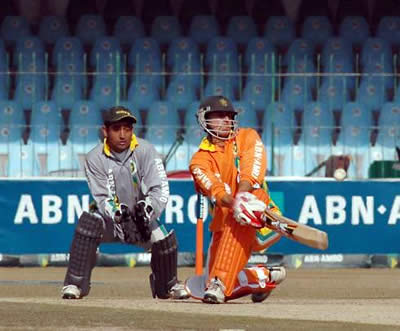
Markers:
point(229, 169)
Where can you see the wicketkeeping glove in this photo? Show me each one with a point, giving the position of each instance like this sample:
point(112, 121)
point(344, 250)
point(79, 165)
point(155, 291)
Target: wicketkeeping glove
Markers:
point(248, 210)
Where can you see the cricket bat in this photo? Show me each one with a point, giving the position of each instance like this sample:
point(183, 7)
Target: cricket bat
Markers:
point(301, 233)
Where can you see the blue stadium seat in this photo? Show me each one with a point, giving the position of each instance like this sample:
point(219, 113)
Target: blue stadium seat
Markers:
point(389, 29)
point(247, 115)
point(304, 66)
point(104, 49)
point(191, 113)
point(355, 138)
point(278, 131)
point(66, 91)
point(339, 64)
point(372, 93)
point(29, 54)
point(317, 29)
point(336, 48)
point(376, 50)
point(165, 29)
point(127, 29)
point(299, 50)
point(180, 94)
point(222, 58)
point(296, 92)
point(316, 136)
point(105, 93)
point(15, 157)
point(280, 31)
point(14, 28)
point(4, 68)
point(162, 125)
point(260, 60)
point(203, 28)
point(89, 28)
point(355, 29)
point(389, 131)
point(220, 86)
point(145, 59)
point(241, 29)
point(258, 94)
point(67, 49)
point(143, 94)
point(183, 59)
point(46, 125)
point(30, 90)
point(334, 93)
point(52, 28)
point(12, 123)
point(85, 122)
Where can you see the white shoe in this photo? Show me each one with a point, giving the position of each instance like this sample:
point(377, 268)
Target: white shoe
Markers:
point(71, 292)
point(276, 275)
point(178, 292)
point(214, 292)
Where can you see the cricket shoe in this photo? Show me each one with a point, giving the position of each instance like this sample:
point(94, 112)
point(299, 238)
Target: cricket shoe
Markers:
point(178, 292)
point(214, 292)
point(71, 292)
point(276, 275)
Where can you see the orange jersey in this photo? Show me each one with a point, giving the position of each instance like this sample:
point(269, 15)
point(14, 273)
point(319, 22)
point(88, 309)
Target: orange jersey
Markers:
point(218, 170)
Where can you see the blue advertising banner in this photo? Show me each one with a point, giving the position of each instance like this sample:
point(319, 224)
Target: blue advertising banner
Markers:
point(360, 217)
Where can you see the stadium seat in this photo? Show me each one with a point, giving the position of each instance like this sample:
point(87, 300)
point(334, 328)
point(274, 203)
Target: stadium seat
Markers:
point(180, 93)
point(183, 59)
point(66, 91)
point(334, 93)
point(28, 51)
point(296, 92)
point(280, 31)
point(316, 136)
point(15, 160)
point(203, 28)
point(339, 64)
point(241, 29)
point(355, 29)
point(260, 60)
point(299, 50)
point(389, 131)
point(258, 94)
point(105, 93)
point(145, 59)
point(45, 136)
point(304, 66)
point(14, 28)
point(389, 30)
point(142, 94)
point(372, 93)
point(127, 29)
point(30, 90)
point(222, 58)
point(355, 138)
point(89, 28)
point(376, 50)
point(52, 28)
point(220, 86)
point(336, 48)
point(279, 126)
point(317, 29)
point(85, 123)
point(165, 29)
point(247, 115)
point(162, 126)
point(4, 69)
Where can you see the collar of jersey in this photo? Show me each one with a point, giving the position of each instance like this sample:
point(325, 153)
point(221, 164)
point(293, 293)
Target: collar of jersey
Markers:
point(132, 146)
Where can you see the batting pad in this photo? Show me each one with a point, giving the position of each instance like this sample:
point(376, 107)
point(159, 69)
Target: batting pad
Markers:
point(232, 253)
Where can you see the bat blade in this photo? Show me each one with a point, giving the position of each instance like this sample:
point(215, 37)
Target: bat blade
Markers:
point(301, 233)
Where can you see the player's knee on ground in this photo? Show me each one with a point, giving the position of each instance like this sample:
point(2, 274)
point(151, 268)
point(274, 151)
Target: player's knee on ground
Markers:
point(82, 257)
point(164, 256)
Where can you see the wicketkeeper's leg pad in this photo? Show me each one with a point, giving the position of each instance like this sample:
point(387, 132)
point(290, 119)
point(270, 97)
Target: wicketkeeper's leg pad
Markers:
point(164, 257)
point(82, 256)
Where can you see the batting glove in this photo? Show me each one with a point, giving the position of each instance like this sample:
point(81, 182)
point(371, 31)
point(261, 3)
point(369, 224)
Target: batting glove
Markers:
point(248, 210)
